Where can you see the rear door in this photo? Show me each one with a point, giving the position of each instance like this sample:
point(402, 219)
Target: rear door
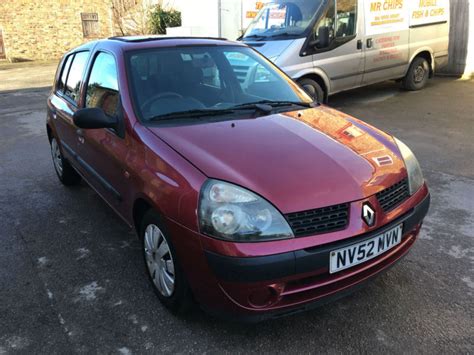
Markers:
point(65, 102)
point(386, 40)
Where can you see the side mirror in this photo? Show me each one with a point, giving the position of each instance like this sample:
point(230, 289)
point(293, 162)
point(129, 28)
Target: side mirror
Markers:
point(323, 37)
point(93, 118)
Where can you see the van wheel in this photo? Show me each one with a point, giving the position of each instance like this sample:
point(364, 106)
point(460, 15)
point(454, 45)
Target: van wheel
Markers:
point(163, 267)
point(66, 173)
point(417, 75)
point(313, 89)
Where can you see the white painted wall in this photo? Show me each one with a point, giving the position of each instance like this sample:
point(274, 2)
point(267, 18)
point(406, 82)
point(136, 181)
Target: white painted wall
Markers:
point(203, 18)
point(469, 70)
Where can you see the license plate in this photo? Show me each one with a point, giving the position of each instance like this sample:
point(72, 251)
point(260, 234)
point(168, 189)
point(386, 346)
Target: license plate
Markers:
point(359, 253)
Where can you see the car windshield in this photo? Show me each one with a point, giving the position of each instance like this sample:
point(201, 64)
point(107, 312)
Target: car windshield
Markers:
point(283, 18)
point(195, 81)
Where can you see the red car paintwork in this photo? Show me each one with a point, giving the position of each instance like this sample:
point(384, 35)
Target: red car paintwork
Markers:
point(298, 161)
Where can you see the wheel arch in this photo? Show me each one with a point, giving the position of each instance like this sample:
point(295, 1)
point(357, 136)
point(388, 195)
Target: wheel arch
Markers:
point(321, 79)
point(49, 131)
point(141, 206)
point(427, 54)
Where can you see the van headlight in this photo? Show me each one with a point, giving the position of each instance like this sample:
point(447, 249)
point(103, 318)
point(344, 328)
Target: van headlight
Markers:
point(415, 176)
point(230, 212)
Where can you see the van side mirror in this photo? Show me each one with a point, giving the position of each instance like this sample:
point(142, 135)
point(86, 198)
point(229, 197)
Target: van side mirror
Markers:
point(322, 40)
point(323, 37)
point(93, 118)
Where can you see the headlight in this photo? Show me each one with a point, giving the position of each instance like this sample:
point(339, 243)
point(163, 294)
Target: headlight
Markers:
point(415, 176)
point(230, 212)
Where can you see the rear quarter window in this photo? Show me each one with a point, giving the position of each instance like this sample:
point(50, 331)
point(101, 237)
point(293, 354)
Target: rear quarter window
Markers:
point(75, 76)
point(64, 72)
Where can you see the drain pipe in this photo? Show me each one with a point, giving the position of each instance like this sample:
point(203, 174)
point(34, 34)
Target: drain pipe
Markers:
point(219, 18)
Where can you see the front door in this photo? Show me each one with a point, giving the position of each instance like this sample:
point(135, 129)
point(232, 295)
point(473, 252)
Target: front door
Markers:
point(386, 41)
point(103, 151)
point(342, 58)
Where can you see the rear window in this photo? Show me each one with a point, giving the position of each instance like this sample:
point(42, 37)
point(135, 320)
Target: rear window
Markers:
point(74, 78)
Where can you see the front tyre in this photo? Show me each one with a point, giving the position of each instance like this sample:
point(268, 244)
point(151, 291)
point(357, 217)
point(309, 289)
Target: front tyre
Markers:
point(417, 76)
point(66, 173)
point(162, 265)
point(313, 89)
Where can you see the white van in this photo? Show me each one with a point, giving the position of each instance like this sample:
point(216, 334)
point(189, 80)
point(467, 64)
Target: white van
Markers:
point(333, 45)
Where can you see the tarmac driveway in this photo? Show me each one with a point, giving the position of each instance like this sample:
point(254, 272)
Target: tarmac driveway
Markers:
point(72, 277)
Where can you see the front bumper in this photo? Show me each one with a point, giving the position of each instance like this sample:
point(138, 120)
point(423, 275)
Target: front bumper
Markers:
point(279, 266)
point(263, 287)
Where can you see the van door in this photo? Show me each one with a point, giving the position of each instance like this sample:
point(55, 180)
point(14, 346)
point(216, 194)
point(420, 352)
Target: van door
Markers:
point(340, 56)
point(386, 40)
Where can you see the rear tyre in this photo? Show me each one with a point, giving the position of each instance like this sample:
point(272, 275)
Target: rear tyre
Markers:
point(163, 266)
point(66, 173)
point(417, 76)
point(313, 89)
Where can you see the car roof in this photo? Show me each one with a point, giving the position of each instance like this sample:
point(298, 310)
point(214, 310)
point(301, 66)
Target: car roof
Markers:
point(149, 38)
point(126, 43)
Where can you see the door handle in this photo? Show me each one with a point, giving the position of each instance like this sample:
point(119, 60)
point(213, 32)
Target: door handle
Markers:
point(370, 42)
point(359, 44)
point(80, 136)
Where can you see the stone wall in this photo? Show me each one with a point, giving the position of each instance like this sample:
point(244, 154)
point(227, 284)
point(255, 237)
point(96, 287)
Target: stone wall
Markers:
point(46, 29)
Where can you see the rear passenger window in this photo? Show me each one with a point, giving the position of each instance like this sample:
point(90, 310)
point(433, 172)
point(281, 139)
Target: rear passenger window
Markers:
point(62, 81)
point(74, 78)
point(102, 88)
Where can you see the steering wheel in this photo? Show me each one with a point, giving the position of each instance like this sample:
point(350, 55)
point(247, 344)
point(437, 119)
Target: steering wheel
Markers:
point(146, 105)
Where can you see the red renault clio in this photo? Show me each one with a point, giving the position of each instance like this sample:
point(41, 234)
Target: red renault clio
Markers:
point(250, 199)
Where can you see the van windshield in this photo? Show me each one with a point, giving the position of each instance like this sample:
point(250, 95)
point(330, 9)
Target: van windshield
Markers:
point(283, 19)
point(199, 81)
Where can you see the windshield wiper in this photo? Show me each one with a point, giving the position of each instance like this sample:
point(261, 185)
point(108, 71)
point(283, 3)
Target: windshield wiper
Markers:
point(190, 114)
point(255, 37)
point(265, 106)
point(273, 104)
point(284, 34)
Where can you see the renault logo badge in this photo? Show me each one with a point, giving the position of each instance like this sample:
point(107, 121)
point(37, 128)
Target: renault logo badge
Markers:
point(368, 214)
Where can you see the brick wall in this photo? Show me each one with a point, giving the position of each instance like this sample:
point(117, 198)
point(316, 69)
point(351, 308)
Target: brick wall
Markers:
point(46, 29)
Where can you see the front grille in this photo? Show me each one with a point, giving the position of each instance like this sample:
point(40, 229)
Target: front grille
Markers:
point(318, 221)
point(394, 195)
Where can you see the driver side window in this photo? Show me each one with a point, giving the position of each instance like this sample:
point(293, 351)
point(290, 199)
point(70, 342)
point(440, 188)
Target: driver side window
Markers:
point(327, 22)
point(338, 22)
point(346, 17)
point(102, 88)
